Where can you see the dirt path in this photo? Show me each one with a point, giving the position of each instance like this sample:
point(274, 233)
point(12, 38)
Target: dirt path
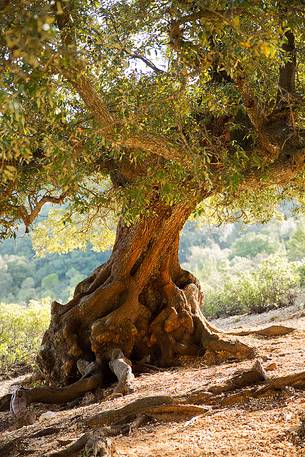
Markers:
point(265, 426)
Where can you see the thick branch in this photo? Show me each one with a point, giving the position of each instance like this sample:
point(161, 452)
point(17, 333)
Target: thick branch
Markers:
point(144, 59)
point(110, 127)
point(92, 99)
point(287, 71)
point(224, 16)
point(257, 117)
point(29, 217)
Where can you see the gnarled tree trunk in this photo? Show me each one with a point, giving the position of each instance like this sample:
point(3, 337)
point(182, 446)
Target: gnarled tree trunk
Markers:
point(141, 301)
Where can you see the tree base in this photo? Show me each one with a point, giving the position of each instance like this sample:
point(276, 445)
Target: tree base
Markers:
point(156, 326)
point(141, 302)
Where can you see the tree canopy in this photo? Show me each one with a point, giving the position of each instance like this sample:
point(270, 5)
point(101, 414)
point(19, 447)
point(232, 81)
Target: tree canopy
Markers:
point(113, 105)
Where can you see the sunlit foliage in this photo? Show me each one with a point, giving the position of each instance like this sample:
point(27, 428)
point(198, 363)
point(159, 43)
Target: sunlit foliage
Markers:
point(21, 330)
point(61, 233)
point(173, 100)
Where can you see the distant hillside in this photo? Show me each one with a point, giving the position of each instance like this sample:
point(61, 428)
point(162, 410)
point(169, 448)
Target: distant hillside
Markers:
point(214, 254)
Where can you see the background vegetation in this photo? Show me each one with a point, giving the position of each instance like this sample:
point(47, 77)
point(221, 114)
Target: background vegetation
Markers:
point(240, 266)
point(21, 330)
point(243, 268)
point(248, 268)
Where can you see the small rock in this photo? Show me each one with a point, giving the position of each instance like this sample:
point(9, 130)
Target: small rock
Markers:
point(98, 445)
point(272, 366)
point(65, 441)
point(88, 398)
point(47, 415)
point(210, 358)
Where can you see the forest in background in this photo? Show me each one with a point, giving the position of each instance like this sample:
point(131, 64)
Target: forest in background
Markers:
point(242, 267)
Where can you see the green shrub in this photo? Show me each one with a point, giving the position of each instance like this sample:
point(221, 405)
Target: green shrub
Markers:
point(296, 243)
point(21, 330)
point(251, 244)
point(272, 285)
point(301, 272)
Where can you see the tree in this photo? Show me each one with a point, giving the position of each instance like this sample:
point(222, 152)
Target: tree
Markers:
point(146, 108)
point(295, 243)
point(252, 244)
point(6, 282)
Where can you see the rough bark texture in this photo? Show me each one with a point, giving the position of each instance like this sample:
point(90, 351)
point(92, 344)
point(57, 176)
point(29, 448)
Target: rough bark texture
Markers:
point(141, 302)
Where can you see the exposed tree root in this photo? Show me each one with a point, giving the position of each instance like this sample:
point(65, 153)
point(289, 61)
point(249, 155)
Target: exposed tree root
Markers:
point(56, 395)
point(98, 443)
point(175, 410)
point(243, 385)
point(150, 406)
point(272, 330)
point(244, 378)
point(94, 444)
point(273, 384)
point(132, 409)
point(216, 396)
point(46, 432)
point(237, 397)
point(73, 449)
point(294, 380)
point(179, 404)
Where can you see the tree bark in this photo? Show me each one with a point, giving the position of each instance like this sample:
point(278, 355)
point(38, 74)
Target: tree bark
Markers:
point(141, 302)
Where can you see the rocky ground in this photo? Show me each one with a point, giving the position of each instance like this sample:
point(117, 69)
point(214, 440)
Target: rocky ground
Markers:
point(268, 425)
